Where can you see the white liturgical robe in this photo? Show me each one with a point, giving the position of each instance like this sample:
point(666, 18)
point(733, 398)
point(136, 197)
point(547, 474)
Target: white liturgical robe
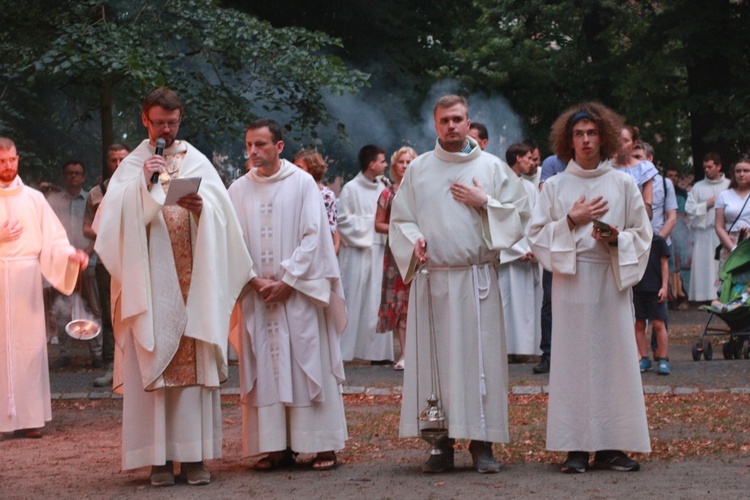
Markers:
point(361, 260)
point(41, 251)
point(595, 391)
point(150, 315)
point(704, 269)
point(290, 358)
point(458, 299)
point(521, 292)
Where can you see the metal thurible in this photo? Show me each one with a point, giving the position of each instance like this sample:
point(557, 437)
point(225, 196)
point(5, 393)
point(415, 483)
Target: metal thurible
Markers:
point(432, 420)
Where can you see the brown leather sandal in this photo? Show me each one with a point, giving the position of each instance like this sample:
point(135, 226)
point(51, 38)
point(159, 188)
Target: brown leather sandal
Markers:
point(325, 460)
point(276, 459)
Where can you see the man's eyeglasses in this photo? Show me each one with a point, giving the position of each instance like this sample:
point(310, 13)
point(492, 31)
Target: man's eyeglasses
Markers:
point(162, 124)
point(8, 161)
point(71, 174)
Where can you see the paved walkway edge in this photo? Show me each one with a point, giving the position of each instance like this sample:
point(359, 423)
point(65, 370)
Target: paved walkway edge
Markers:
point(396, 391)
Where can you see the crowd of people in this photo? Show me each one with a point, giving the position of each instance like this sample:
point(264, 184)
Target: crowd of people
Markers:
point(463, 257)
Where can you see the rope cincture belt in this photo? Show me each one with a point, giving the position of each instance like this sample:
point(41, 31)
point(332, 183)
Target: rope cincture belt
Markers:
point(9, 367)
point(481, 292)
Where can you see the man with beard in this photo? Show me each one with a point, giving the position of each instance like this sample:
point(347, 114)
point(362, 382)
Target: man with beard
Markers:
point(176, 273)
point(33, 244)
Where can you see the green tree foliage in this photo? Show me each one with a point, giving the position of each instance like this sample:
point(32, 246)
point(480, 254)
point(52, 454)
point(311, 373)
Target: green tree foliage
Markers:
point(673, 67)
point(69, 65)
point(397, 42)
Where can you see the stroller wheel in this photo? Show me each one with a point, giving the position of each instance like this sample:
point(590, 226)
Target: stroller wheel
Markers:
point(746, 350)
point(697, 351)
point(738, 349)
point(708, 352)
point(727, 349)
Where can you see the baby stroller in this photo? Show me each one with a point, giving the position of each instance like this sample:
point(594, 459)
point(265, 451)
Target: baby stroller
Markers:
point(733, 308)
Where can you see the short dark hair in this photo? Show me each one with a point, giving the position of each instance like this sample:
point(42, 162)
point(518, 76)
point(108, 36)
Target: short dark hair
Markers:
point(272, 125)
point(73, 162)
point(118, 147)
point(531, 143)
point(483, 133)
point(712, 156)
point(609, 125)
point(516, 150)
point(164, 98)
point(368, 154)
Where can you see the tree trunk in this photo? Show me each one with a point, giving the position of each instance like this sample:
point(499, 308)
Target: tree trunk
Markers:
point(105, 111)
point(706, 75)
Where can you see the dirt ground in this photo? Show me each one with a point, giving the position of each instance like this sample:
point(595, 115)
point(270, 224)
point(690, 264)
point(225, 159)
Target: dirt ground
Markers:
point(79, 457)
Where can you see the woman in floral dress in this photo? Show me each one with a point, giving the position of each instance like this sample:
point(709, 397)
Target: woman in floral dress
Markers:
point(395, 297)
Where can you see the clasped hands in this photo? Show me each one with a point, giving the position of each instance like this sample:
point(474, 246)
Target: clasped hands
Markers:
point(271, 290)
point(192, 202)
point(584, 212)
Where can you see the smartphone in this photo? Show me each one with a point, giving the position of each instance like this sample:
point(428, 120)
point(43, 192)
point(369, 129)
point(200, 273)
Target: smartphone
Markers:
point(606, 231)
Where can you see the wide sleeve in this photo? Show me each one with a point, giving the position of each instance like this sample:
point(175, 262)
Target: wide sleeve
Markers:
point(507, 213)
point(61, 273)
point(403, 230)
point(356, 229)
point(312, 265)
point(630, 256)
point(552, 242)
point(696, 210)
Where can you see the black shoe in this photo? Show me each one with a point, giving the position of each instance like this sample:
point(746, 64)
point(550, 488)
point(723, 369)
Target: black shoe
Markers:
point(60, 362)
point(543, 366)
point(576, 463)
point(615, 460)
point(482, 459)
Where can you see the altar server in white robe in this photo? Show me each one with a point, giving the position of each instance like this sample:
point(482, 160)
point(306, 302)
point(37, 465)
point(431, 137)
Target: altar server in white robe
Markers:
point(596, 397)
point(361, 259)
point(289, 321)
point(519, 274)
point(702, 216)
point(177, 270)
point(457, 207)
point(33, 244)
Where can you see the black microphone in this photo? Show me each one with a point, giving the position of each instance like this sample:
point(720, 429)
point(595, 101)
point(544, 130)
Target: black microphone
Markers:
point(160, 143)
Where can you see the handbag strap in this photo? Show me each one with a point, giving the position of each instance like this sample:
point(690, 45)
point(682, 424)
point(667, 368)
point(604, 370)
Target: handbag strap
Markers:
point(739, 214)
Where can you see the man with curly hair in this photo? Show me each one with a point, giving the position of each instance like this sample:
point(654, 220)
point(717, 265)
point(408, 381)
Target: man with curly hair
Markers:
point(590, 228)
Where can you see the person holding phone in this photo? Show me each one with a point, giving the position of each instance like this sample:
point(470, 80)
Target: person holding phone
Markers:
point(595, 392)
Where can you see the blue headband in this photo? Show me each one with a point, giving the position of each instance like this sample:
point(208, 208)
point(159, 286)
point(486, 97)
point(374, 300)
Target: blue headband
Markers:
point(580, 116)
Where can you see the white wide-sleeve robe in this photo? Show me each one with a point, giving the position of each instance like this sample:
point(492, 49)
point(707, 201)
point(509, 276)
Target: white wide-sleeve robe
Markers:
point(149, 314)
point(704, 269)
point(521, 291)
point(361, 260)
point(596, 396)
point(290, 357)
point(461, 304)
point(41, 251)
